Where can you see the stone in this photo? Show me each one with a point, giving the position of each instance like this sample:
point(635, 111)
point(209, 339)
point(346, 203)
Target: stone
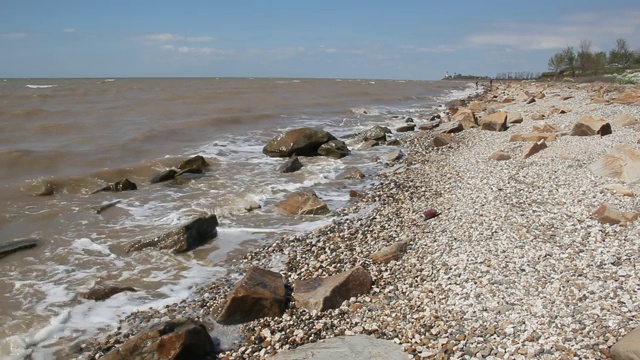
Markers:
point(494, 122)
point(622, 162)
point(251, 206)
point(534, 148)
point(335, 148)
point(166, 175)
point(260, 293)
point(184, 238)
point(477, 106)
point(600, 100)
point(104, 291)
point(500, 156)
point(429, 126)
point(197, 161)
point(625, 120)
point(533, 137)
point(430, 214)
point(292, 164)
point(466, 118)
point(378, 133)
point(394, 142)
point(449, 128)
point(390, 253)
point(180, 339)
point(406, 128)
point(627, 348)
point(538, 116)
point(545, 128)
point(566, 97)
point(102, 208)
point(440, 140)
point(514, 118)
point(118, 186)
point(353, 194)
point(322, 294)
point(12, 246)
point(530, 100)
point(301, 142)
point(304, 202)
point(43, 188)
point(540, 95)
point(455, 104)
point(369, 144)
point(589, 125)
point(393, 156)
point(630, 96)
point(607, 214)
point(345, 347)
point(618, 190)
point(351, 172)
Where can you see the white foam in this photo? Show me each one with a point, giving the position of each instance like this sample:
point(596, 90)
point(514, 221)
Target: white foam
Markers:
point(40, 86)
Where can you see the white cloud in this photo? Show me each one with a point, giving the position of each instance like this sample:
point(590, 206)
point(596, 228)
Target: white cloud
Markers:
point(14, 35)
point(161, 38)
point(196, 50)
point(434, 49)
point(200, 39)
point(69, 30)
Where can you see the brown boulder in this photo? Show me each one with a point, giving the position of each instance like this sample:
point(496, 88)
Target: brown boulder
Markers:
point(182, 339)
point(118, 186)
point(627, 348)
point(292, 164)
point(607, 214)
point(477, 106)
point(390, 253)
point(182, 239)
point(440, 140)
point(534, 148)
point(406, 128)
point(351, 172)
point(628, 97)
point(260, 293)
point(195, 162)
point(500, 156)
point(449, 128)
point(514, 118)
point(322, 294)
point(589, 125)
point(336, 149)
point(545, 128)
point(494, 122)
point(622, 162)
point(625, 120)
point(101, 292)
point(302, 142)
point(304, 202)
point(466, 118)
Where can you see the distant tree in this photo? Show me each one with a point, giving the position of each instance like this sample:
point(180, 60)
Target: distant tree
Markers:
point(556, 63)
point(636, 57)
point(570, 59)
point(599, 61)
point(585, 57)
point(621, 55)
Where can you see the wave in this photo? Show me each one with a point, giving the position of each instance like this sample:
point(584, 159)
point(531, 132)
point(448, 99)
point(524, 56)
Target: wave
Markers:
point(40, 86)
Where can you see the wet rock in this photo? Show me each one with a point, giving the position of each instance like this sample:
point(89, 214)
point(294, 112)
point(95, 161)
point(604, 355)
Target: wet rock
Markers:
point(293, 164)
point(393, 156)
point(534, 148)
point(378, 133)
point(406, 128)
point(107, 206)
point(351, 172)
point(166, 175)
point(322, 294)
point(589, 125)
point(252, 206)
point(185, 238)
point(335, 148)
point(390, 253)
point(122, 185)
point(369, 144)
point(394, 142)
point(197, 161)
point(301, 142)
point(627, 348)
point(304, 202)
point(607, 214)
point(43, 188)
point(260, 293)
point(101, 292)
point(16, 245)
point(466, 118)
point(622, 162)
point(353, 194)
point(181, 339)
point(500, 156)
point(440, 140)
point(494, 122)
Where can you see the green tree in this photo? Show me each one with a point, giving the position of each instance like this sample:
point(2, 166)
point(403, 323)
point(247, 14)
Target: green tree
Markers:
point(556, 63)
point(621, 55)
point(585, 57)
point(570, 59)
point(599, 61)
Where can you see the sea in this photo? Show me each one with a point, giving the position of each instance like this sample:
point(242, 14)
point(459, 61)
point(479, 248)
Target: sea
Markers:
point(81, 134)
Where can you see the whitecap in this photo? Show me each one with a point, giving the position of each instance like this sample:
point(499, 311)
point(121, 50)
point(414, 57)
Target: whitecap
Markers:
point(40, 86)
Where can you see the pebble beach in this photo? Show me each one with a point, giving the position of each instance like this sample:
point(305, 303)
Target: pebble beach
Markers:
point(515, 266)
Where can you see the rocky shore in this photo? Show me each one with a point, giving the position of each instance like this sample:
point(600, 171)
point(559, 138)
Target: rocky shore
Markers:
point(512, 262)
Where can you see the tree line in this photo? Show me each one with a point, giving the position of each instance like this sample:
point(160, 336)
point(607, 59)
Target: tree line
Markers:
point(584, 62)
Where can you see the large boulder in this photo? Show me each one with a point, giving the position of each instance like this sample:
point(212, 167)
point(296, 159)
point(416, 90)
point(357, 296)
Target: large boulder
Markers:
point(181, 339)
point(322, 294)
point(195, 162)
point(166, 175)
point(627, 348)
point(378, 133)
point(302, 142)
point(466, 118)
point(494, 122)
point(103, 291)
point(335, 148)
point(292, 164)
point(589, 125)
point(622, 162)
point(514, 118)
point(440, 140)
point(477, 106)
point(304, 202)
point(182, 239)
point(260, 293)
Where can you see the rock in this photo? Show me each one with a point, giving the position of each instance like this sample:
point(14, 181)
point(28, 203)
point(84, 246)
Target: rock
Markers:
point(540, 95)
point(507, 100)
point(607, 214)
point(600, 100)
point(566, 97)
point(194, 162)
point(353, 194)
point(477, 106)
point(378, 133)
point(466, 118)
point(166, 175)
point(545, 128)
point(622, 162)
point(187, 237)
point(618, 190)
point(101, 292)
point(345, 347)
point(105, 207)
point(440, 140)
point(252, 206)
point(625, 120)
point(589, 126)
point(455, 104)
point(627, 348)
point(500, 156)
point(534, 148)
point(530, 100)
point(335, 148)
point(538, 116)
point(394, 142)
point(292, 164)
point(393, 156)
point(16, 245)
point(533, 137)
point(430, 214)
point(351, 172)
point(43, 188)
point(260, 293)
point(494, 122)
point(390, 253)
point(449, 128)
point(369, 144)
point(406, 128)
point(180, 339)
point(304, 202)
point(301, 142)
point(514, 118)
point(630, 96)
point(122, 185)
point(429, 126)
point(322, 294)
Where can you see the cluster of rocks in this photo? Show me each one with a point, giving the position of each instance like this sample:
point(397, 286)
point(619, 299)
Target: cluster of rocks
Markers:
point(528, 256)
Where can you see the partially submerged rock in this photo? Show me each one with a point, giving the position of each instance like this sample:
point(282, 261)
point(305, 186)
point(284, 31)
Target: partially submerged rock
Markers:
point(197, 162)
point(378, 133)
point(393, 156)
point(122, 185)
point(17, 245)
point(301, 142)
point(322, 294)
point(351, 172)
point(305, 202)
point(335, 148)
point(104, 291)
point(292, 164)
point(185, 238)
point(166, 175)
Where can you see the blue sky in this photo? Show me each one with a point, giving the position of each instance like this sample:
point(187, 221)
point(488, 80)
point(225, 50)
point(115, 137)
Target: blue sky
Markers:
point(399, 39)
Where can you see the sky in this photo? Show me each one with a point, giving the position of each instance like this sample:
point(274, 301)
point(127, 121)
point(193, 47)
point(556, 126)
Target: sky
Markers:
point(390, 39)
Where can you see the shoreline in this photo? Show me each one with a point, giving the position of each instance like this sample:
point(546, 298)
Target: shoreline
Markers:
point(514, 267)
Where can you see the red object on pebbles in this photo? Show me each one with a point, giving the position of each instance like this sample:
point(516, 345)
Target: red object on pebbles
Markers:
point(430, 214)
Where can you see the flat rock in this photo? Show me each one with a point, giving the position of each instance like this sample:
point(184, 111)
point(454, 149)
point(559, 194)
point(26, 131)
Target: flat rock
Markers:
point(622, 162)
point(302, 142)
point(545, 128)
point(260, 293)
point(345, 347)
point(607, 214)
point(304, 202)
point(589, 125)
point(494, 122)
point(393, 156)
point(514, 118)
point(406, 128)
point(184, 238)
point(16, 245)
point(627, 348)
point(440, 140)
point(625, 120)
point(618, 189)
point(322, 294)
point(500, 156)
point(390, 253)
point(369, 144)
point(449, 128)
point(533, 137)
point(104, 291)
